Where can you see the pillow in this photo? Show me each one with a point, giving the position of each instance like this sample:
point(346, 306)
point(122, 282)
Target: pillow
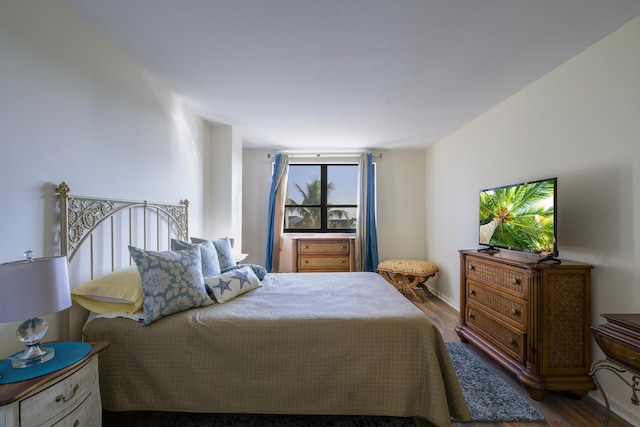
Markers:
point(229, 285)
point(172, 281)
point(117, 292)
point(223, 247)
point(258, 270)
point(208, 253)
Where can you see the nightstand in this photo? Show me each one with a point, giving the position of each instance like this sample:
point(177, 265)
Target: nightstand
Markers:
point(69, 396)
point(619, 339)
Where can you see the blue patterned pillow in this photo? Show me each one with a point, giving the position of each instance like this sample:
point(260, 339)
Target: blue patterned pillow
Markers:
point(223, 247)
point(171, 281)
point(258, 270)
point(232, 283)
point(210, 263)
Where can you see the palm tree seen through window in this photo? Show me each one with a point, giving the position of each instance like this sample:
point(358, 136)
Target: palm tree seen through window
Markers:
point(321, 198)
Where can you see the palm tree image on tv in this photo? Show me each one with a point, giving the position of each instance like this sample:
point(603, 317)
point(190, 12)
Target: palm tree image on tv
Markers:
point(309, 215)
point(519, 217)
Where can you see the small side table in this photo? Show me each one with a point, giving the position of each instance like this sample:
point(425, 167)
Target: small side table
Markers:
point(619, 339)
point(67, 395)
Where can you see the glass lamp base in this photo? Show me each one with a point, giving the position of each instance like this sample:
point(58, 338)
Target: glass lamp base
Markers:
point(32, 356)
point(30, 332)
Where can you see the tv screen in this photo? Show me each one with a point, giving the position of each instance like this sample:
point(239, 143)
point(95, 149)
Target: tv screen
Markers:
point(520, 217)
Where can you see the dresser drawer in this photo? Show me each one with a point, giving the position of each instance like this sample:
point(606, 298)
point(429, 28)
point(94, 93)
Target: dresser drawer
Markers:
point(84, 415)
point(506, 277)
point(323, 247)
point(320, 254)
point(511, 308)
point(61, 398)
point(325, 263)
point(508, 339)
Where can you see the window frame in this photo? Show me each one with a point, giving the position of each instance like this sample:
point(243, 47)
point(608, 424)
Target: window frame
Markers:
point(323, 206)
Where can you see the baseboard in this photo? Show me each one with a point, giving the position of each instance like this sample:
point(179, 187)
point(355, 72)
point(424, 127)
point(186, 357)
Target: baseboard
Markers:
point(449, 302)
point(616, 407)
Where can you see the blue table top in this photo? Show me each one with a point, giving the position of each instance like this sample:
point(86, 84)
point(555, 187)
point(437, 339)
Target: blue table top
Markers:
point(67, 353)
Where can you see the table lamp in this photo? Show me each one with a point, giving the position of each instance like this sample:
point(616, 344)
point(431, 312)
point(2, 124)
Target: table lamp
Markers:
point(29, 289)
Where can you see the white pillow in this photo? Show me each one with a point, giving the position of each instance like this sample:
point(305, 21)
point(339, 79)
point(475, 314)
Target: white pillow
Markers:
point(229, 285)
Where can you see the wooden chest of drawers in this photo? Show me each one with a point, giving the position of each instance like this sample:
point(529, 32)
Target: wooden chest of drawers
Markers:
point(531, 318)
point(319, 254)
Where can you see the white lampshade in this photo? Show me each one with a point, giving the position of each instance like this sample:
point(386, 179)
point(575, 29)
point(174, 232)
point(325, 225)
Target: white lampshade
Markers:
point(33, 288)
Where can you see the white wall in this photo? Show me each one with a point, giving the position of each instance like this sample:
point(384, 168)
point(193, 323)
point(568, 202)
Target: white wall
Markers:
point(579, 123)
point(222, 183)
point(74, 108)
point(400, 212)
point(256, 178)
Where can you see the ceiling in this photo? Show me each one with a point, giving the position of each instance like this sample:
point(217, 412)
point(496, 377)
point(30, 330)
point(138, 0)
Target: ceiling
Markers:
point(345, 75)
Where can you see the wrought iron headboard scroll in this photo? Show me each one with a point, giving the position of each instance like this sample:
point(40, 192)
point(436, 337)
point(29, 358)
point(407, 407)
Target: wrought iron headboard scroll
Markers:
point(82, 217)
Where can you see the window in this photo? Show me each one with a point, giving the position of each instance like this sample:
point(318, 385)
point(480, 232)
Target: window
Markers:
point(321, 198)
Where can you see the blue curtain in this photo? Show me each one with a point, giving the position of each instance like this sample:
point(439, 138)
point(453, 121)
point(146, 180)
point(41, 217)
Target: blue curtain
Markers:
point(276, 206)
point(371, 257)
point(366, 236)
point(272, 210)
point(371, 239)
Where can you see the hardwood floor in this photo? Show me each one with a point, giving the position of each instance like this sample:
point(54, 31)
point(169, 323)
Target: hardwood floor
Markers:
point(558, 409)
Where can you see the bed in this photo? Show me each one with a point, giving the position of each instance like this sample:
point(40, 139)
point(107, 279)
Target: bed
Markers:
point(294, 343)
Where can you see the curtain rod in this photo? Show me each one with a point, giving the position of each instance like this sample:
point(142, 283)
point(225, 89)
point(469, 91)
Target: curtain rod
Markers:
point(309, 155)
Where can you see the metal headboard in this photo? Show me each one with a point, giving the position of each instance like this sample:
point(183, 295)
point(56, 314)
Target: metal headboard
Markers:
point(105, 227)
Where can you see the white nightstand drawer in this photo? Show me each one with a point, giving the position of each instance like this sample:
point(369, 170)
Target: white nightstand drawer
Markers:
point(84, 415)
point(61, 398)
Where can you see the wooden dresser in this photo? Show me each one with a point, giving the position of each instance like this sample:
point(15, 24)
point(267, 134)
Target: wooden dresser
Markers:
point(68, 397)
point(320, 254)
point(532, 318)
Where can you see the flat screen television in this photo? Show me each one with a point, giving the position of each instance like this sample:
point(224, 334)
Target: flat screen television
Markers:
point(520, 217)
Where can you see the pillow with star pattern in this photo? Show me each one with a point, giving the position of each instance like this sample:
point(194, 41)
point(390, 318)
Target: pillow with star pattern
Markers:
point(229, 285)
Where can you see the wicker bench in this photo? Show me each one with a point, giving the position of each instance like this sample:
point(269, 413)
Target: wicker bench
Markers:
point(406, 274)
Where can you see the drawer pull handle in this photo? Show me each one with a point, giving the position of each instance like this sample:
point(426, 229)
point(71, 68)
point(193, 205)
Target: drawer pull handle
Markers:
point(61, 398)
point(632, 358)
point(471, 268)
point(306, 246)
point(472, 292)
point(76, 423)
point(515, 281)
point(512, 342)
point(470, 315)
point(342, 247)
point(306, 261)
point(341, 261)
point(515, 312)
